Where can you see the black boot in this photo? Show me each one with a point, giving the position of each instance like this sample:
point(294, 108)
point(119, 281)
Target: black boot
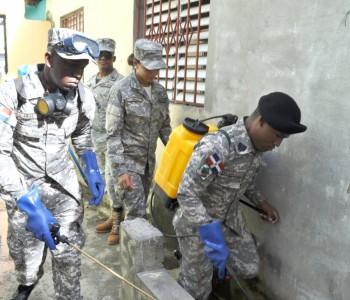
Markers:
point(23, 292)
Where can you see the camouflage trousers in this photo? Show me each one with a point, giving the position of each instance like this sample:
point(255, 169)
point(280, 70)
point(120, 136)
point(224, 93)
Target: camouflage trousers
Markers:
point(135, 200)
point(106, 171)
point(196, 270)
point(29, 254)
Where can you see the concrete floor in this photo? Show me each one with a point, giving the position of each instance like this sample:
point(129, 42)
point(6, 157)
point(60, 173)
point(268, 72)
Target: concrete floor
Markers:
point(96, 282)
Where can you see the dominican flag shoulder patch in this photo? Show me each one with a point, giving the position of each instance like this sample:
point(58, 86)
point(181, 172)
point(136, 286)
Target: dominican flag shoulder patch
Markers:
point(215, 164)
point(5, 113)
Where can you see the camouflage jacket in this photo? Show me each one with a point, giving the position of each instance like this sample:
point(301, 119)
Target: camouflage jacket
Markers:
point(34, 147)
point(219, 172)
point(133, 123)
point(101, 90)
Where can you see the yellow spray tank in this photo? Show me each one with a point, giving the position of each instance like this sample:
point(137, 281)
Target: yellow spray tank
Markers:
point(176, 155)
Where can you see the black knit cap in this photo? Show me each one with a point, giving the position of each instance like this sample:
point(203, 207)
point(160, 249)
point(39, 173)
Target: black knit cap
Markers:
point(281, 112)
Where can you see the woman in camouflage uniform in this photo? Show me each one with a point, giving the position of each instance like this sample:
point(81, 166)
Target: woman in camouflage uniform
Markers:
point(137, 114)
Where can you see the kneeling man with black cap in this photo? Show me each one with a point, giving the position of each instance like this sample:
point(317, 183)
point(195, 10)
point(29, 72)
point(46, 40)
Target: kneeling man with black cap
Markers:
point(220, 171)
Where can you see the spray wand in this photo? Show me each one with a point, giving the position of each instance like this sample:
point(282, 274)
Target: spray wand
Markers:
point(57, 238)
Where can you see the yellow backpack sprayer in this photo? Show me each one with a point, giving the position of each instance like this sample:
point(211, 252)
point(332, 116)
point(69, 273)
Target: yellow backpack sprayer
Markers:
point(177, 153)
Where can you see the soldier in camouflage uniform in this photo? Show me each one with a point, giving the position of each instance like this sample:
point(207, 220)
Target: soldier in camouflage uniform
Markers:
point(220, 171)
point(39, 114)
point(101, 84)
point(137, 114)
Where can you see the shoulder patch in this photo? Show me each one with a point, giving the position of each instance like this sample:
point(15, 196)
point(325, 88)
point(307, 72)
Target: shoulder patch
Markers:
point(215, 164)
point(5, 113)
point(241, 147)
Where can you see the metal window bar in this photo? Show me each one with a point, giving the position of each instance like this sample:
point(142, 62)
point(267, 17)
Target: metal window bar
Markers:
point(74, 20)
point(173, 24)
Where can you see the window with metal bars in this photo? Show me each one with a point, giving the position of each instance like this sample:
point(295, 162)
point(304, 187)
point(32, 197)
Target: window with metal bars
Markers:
point(74, 20)
point(182, 27)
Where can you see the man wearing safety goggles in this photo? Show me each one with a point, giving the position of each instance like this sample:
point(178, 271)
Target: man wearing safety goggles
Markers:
point(40, 113)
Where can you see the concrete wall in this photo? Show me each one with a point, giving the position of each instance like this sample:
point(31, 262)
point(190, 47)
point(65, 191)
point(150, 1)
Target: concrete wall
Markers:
point(301, 48)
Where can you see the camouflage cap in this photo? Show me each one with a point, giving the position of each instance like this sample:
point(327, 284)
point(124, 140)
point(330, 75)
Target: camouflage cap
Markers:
point(106, 44)
point(281, 112)
point(149, 53)
point(56, 37)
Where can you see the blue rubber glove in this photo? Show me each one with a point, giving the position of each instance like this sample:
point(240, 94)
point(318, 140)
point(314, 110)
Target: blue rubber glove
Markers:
point(39, 218)
point(215, 247)
point(94, 178)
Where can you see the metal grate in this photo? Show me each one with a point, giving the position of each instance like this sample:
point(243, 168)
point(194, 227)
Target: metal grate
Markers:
point(74, 20)
point(182, 27)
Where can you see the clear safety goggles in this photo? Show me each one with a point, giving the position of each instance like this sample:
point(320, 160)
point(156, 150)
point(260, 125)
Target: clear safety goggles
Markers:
point(77, 44)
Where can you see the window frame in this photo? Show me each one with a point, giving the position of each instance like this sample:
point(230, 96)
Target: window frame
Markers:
point(180, 30)
point(73, 20)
